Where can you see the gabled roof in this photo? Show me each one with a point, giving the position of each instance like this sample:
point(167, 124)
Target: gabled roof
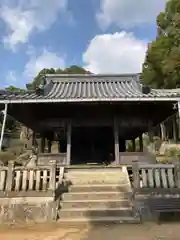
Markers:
point(84, 88)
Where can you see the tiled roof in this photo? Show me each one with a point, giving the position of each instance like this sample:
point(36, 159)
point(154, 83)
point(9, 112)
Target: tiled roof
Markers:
point(89, 88)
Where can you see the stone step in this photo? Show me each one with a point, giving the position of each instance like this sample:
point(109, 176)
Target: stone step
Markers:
point(100, 174)
point(95, 212)
point(95, 176)
point(71, 222)
point(103, 203)
point(93, 170)
point(96, 181)
point(95, 196)
point(99, 187)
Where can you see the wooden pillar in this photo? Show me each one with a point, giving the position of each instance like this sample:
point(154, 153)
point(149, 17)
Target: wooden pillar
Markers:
point(53, 177)
point(116, 142)
point(178, 120)
point(163, 131)
point(49, 146)
point(133, 145)
point(68, 152)
point(175, 130)
point(141, 143)
point(150, 133)
point(33, 139)
point(43, 142)
point(3, 126)
point(59, 146)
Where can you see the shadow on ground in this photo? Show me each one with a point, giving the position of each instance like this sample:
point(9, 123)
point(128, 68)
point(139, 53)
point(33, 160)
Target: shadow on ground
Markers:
point(147, 231)
point(167, 229)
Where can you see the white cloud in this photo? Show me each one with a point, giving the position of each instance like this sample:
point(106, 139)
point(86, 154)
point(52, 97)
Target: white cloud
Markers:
point(128, 13)
point(45, 60)
point(24, 17)
point(11, 78)
point(120, 52)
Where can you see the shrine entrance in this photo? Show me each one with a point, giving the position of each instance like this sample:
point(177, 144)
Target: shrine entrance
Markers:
point(92, 145)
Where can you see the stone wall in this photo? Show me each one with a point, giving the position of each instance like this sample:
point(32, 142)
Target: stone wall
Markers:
point(26, 210)
point(142, 208)
point(28, 193)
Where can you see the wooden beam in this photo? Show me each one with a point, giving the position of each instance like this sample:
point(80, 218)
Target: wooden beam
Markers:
point(69, 131)
point(116, 141)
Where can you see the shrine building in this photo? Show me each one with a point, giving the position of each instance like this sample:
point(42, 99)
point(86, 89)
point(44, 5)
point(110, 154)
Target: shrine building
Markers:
point(92, 116)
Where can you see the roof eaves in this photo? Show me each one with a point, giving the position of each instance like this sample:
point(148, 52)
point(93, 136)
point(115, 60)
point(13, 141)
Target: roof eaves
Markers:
point(77, 100)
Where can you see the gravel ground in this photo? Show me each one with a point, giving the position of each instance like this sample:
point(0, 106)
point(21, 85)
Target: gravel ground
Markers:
point(125, 232)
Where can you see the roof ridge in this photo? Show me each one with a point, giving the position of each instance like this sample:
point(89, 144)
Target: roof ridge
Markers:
point(59, 78)
point(91, 75)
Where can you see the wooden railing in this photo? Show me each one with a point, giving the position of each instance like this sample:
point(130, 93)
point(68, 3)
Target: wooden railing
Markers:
point(3, 178)
point(29, 181)
point(156, 178)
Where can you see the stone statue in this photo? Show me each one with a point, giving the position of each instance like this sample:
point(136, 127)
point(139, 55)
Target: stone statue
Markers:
point(32, 162)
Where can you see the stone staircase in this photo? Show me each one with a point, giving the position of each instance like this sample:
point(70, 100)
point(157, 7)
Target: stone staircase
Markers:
point(97, 195)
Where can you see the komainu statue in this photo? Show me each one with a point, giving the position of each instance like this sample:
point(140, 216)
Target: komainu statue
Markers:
point(26, 136)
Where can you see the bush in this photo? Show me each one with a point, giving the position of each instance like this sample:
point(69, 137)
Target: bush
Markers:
point(173, 153)
point(163, 160)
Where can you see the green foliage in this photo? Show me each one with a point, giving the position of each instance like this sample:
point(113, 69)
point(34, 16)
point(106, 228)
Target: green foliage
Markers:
point(74, 70)
point(163, 160)
point(162, 64)
point(14, 89)
point(38, 79)
point(173, 153)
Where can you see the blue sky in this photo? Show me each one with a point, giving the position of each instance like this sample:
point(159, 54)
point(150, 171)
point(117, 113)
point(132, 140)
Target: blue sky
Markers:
point(104, 36)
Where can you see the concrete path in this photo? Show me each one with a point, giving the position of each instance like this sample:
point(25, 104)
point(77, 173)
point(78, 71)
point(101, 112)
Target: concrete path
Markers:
point(125, 232)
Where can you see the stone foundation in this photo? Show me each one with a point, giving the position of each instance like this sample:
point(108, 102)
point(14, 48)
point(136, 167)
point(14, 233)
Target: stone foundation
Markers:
point(142, 209)
point(21, 210)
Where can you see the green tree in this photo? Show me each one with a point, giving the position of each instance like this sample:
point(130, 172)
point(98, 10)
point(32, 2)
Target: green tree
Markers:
point(13, 88)
point(39, 78)
point(11, 123)
point(161, 68)
point(75, 70)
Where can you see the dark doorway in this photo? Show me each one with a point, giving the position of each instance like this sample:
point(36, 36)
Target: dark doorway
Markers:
point(92, 145)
